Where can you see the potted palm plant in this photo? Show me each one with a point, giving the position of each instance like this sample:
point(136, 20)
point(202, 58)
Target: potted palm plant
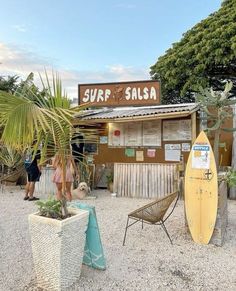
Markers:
point(28, 116)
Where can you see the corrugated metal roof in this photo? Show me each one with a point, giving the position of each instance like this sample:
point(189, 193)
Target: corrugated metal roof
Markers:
point(129, 112)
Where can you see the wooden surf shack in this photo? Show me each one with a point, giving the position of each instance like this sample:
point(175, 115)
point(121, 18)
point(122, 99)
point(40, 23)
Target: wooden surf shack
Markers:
point(142, 141)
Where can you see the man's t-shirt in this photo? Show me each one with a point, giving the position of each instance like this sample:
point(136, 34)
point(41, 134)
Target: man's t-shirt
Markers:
point(30, 163)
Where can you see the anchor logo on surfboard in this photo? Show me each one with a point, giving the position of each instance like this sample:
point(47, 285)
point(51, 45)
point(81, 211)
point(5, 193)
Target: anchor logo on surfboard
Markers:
point(208, 174)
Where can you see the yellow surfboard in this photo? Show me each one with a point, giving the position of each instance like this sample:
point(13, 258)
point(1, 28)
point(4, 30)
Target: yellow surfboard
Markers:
point(201, 190)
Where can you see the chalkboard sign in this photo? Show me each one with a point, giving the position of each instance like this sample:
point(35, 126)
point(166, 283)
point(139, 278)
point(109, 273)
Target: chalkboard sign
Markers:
point(90, 148)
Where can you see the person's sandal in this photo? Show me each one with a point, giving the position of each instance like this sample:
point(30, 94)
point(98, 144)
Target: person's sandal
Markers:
point(33, 198)
point(26, 197)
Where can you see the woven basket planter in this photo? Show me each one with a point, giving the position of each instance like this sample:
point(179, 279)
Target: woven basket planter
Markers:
point(58, 249)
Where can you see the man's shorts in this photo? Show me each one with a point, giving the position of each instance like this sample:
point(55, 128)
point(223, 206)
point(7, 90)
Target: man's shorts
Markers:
point(33, 175)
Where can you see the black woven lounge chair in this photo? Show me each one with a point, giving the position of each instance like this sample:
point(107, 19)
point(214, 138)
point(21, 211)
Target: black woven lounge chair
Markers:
point(153, 213)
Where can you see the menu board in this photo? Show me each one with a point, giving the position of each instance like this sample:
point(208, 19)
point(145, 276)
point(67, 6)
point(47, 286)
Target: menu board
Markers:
point(152, 133)
point(177, 130)
point(185, 129)
point(133, 134)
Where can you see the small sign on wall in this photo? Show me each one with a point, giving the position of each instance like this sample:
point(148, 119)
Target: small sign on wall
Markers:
point(139, 156)
point(103, 139)
point(116, 134)
point(129, 152)
point(151, 153)
point(186, 147)
point(172, 152)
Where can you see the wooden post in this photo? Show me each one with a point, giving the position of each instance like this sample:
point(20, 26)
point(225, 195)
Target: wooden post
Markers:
point(194, 126)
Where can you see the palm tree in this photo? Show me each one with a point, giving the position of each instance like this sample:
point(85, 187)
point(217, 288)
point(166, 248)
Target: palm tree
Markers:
point(28, 118)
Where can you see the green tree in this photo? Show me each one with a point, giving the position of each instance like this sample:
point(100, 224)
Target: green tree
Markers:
point(205, 56)
point(9, 83)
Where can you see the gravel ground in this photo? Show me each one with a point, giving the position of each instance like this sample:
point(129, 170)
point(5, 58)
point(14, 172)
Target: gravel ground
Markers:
point(147, 262)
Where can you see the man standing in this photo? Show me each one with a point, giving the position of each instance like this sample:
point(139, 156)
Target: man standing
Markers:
point(33, 175)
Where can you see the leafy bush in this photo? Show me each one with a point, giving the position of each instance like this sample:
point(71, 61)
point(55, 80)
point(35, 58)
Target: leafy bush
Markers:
point(231, 178)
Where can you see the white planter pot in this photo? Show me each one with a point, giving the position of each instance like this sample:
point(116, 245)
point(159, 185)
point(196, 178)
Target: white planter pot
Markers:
point(58, 248)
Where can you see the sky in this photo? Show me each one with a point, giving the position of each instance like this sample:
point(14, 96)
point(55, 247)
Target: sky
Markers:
point(92, 41)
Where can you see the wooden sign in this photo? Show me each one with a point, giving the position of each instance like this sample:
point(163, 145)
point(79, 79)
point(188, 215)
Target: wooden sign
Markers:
point(201, 190)
point(120, 94)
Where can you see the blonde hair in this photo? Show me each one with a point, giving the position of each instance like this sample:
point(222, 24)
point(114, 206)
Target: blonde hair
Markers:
point(57, 162)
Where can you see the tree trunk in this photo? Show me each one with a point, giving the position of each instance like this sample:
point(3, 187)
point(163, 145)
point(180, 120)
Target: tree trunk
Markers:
point(216, 147)
point(64, 206)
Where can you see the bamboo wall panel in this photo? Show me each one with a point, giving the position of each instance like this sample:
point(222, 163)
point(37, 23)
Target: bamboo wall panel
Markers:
point(142, 180)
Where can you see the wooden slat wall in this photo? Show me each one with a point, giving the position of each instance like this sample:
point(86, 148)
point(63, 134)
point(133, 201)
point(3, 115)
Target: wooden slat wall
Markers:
point(45, 187)
point(145, 180)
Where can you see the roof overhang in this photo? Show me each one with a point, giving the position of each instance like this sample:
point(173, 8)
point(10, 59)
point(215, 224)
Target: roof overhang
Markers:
point(127, 114)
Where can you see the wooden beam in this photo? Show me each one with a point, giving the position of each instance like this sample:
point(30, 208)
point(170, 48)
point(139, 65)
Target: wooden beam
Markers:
point(194, 126)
